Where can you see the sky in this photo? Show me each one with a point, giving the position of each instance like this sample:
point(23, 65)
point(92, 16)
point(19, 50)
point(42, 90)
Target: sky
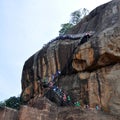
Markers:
point(25, 26)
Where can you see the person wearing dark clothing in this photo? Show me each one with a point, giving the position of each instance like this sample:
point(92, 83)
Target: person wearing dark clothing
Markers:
point(54, 88)
point(85, 39)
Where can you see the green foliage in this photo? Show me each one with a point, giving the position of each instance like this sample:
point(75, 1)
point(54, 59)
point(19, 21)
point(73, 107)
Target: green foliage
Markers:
point(76, 17)
point(12, 102)
point(2, 104)
point(65, 28)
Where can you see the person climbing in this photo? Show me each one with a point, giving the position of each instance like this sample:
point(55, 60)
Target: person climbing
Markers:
point(77, 104)
point(51, 84)
point(68, 99)
point(85, 38)
point(53, 76)
point(64, 97)
point(59, 72)
point(87, 106)
point(97, 107)
point(59, 91)
point(54, 88)
point(45, 82)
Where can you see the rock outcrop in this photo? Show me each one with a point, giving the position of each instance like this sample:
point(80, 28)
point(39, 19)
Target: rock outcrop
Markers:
point(43, 109)
point(89, 72)
point(8, 114)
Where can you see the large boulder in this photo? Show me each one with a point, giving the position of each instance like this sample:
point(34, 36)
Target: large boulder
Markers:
point(42, 109)
point(104, 16)
point(89, 72)
point(8, 114)
point(43, 64)
point(102, 50)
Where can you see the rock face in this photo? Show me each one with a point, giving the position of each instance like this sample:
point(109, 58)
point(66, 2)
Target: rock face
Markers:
point(43, 109)
point(39, 109)
point(43, 64)
point(99, 19)
point(89, 72)
point(8, 114)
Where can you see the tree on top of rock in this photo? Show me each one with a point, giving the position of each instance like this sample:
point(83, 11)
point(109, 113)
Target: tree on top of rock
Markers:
point(76, 17)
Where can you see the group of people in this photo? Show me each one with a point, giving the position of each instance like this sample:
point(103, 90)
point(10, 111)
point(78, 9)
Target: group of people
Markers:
point(97, 107)
point(66, 99)
point(62, 94)
point(74, 36)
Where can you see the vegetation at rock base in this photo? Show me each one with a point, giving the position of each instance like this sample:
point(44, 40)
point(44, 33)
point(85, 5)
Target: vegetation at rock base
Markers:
point(76, 17)
point(12, 102)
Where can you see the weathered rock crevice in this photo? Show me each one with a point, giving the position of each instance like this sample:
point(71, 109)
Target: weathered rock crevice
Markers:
point(99, 87)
